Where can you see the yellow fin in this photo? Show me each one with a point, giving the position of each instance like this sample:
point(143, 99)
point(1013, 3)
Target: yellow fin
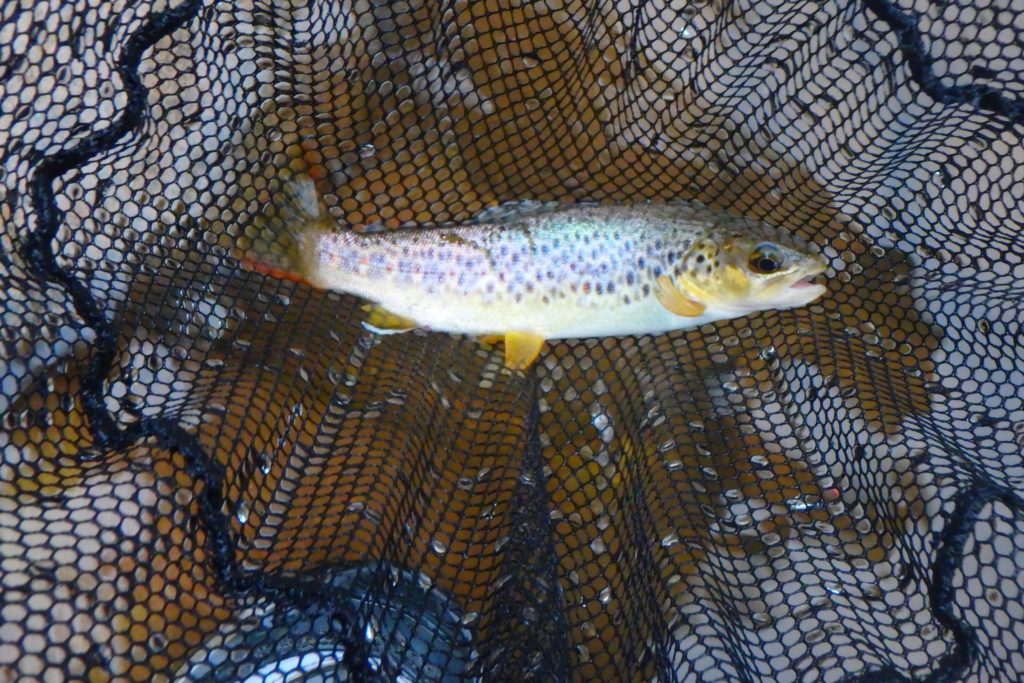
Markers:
point(522, 349)
point(674, 300)
point(492, 339)
point(383, 321)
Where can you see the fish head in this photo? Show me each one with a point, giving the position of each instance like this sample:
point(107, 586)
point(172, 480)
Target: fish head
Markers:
point(744, 266)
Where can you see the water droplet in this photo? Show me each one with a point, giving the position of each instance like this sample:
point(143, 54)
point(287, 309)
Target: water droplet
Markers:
point(367, 150)
point(760, 619)
point(775, 194)
point(242, 512)
point(438, 547)
point(598, 546)
point(834, 588)
point(672, 465)
point(264, 461)
point(730, 386)
point(873, 591)
point(742, 521)
point(283, 299)
point(157, 642)
point(670, 540)
point(469, 617)
point(583, 654)
point(687, 32)
point(769, 353)
point(697, 425)
point(605, 596)
point(797, 505)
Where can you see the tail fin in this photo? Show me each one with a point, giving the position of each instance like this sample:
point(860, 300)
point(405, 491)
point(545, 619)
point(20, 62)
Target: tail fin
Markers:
point(280, 241)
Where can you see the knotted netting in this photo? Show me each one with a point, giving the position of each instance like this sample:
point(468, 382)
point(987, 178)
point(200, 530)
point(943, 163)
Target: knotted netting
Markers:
point(212, 475)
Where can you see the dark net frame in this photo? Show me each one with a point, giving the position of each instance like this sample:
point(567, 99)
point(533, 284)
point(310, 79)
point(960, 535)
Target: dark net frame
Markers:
point(210, 475)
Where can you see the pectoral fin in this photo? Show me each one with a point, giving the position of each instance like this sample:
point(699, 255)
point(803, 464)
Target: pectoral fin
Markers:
point(522, 349)
point(676, 301)
point(382, 321)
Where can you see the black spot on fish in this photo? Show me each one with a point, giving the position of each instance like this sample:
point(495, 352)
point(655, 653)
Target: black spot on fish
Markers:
point(611, 287)
point(625, 299)
point(630, 279)
point(646, 290)
point(600, 288)
point(657, 271)
point(709, 269)
point(700, 258)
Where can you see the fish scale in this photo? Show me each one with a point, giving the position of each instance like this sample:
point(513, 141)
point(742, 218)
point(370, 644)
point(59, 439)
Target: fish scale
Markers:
point(549, 271)
point(569, 253)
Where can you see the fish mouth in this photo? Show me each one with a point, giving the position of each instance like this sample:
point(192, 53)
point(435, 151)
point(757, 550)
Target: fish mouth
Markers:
point(806, 287)
point(807, 280)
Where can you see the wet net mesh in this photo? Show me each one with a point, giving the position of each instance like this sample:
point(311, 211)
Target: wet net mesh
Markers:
point(211, 475)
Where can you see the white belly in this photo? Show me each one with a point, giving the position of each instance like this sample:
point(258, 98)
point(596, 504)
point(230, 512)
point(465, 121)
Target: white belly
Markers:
point(564, 319)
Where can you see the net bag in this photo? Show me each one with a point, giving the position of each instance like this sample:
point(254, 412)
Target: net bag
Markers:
point(209, 474)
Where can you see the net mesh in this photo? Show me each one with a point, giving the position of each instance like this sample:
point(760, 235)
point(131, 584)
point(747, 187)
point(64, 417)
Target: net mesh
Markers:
point(211, 475)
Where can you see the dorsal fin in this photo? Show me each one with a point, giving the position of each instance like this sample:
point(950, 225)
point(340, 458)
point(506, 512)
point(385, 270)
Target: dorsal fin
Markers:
point(510, 212)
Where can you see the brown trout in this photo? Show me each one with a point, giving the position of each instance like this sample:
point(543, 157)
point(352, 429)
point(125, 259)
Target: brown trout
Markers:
point(530, 273)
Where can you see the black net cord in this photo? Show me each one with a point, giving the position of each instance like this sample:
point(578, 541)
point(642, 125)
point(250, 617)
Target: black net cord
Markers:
point(41, 261)
point(40, 258)
point(529, 605)
point(912, 44)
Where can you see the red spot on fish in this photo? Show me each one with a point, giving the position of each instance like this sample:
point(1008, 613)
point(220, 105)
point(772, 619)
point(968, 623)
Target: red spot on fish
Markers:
point(586, 288)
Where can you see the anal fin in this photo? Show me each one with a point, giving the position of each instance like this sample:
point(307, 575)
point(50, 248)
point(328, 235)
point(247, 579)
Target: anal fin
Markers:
point(676, 301)
point(382, 321)
point(522, 349)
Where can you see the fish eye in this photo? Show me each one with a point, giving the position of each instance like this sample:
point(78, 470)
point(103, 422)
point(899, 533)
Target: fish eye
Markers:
point(766, 258)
